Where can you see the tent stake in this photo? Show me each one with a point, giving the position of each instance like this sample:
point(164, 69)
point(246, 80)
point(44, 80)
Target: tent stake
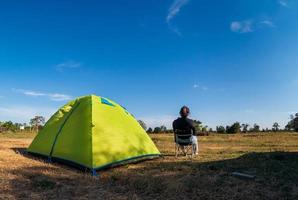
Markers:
point(94, 173)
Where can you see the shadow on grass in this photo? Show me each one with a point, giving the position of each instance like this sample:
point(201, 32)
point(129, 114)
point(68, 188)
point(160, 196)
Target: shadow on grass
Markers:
point(276, 178)
point(54, 163)
point(68, 164)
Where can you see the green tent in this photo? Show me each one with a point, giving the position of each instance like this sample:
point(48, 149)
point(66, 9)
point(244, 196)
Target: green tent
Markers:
point(93, 132)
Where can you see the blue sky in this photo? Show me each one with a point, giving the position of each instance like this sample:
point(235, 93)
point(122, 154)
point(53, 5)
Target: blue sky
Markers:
point(227, 60)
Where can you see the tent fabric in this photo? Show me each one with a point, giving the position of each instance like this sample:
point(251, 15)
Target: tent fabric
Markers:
point(93, 132)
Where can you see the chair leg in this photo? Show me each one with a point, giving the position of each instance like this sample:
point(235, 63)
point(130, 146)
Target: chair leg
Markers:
point(192, 152)
point(185, 150)
point(194, 149)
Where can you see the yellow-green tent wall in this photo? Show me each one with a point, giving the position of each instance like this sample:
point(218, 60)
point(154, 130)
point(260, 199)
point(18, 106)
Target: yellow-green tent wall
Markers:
point(93, 132)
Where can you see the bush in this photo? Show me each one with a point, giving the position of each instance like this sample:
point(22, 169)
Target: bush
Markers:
point(235, 128)
point(220, 129)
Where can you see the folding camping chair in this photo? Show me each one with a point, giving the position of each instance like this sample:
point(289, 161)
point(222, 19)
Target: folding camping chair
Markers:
point(183, 143)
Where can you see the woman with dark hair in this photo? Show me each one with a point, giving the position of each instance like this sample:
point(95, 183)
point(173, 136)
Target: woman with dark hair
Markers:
point(184, 123)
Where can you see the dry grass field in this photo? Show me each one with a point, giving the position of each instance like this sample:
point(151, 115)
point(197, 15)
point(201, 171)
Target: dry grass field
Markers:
point(271, 158)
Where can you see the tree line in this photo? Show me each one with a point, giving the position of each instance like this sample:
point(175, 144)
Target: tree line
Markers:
point(236, 127)
point(35, 124)
point(163, 129)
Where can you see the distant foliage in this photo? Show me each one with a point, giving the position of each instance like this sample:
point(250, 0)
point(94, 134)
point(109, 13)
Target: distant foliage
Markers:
point(205, 129)
point(149, 130)
point(37, 122)
point(235, 128)
point(275, 127)
point(157, 130)
point(143, 124)
point(245, 128)
point(256, 128)
point(10, 126)
point(161, 129)
point(220, 129)
point(198, 125)
point(293, 124)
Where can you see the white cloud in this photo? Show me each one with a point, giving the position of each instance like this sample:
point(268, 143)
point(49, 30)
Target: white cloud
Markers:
point(175, 30)
point(248, 26)
point(200, 87)
point(175, 9)
point(59, 97)
point(283, 3)
point(172, 12)
point(268, 23)
point(68, 65)
point(20, 113)
point(32, 93)
point(241, 26)
point(51, 96)
point(157, 121)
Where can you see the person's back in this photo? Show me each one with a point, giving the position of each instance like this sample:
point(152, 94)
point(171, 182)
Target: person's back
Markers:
point(184, 123)
point(186, 126)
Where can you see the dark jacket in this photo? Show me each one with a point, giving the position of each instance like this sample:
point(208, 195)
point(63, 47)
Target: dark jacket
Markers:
point(184, 124)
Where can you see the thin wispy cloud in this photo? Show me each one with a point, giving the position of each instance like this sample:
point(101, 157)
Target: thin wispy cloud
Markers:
point(32, 93)
point(195, 86)
point(59, 97)
point(172, 12)
point(283, 3)
point(159, 120)
point(51, 96)
point(68, 65)
point(241, 26)
point(21, 113)
point(175, 30)
point(248, 26)
point(267, 23)
point(200, 87)
point(175, 9)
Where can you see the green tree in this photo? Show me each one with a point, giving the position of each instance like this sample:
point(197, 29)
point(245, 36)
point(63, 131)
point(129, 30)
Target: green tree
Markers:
point(275, 126)
point(220, 129)
point(157, 130)
point(256, 128)
point(198, 125)
point(37, 122)
point(205, 129)
point(245, 128)
point(293, 124)
point(143, 125)
point(149, 130)
point(235, 128)
point(8, 126)
point(163, 129)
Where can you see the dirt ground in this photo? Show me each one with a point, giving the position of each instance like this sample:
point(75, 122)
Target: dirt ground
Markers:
point(271, 158)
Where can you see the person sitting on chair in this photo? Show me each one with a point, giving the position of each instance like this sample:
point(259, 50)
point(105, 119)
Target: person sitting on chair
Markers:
point(186, 124)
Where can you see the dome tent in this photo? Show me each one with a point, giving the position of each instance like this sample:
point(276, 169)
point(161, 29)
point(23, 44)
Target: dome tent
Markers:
point(93, 132)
